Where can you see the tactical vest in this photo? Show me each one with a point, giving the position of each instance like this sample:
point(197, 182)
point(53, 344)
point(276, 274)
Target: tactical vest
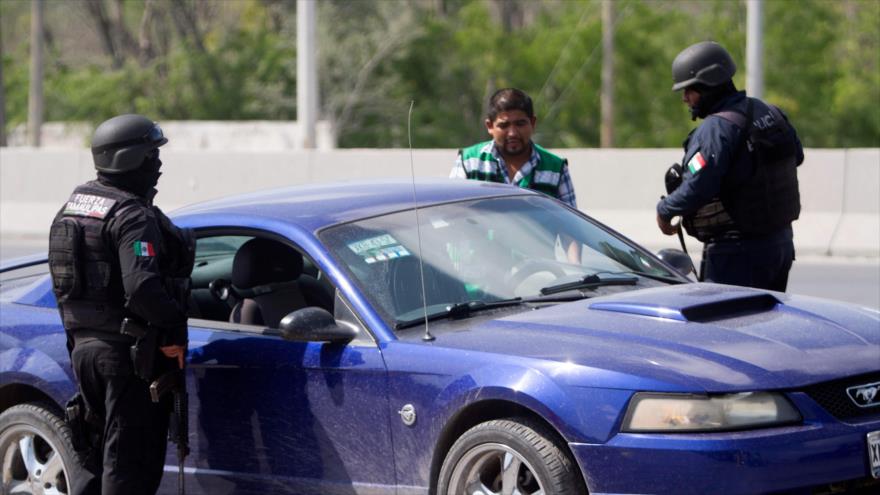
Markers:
point(768, 199)
point(480, 164)
point(86, 277)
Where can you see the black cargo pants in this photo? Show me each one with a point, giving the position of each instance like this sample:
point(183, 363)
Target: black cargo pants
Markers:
point(135, 429)
point(762, 263)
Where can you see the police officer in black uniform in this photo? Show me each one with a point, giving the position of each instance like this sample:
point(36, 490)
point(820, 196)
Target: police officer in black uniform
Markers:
point(738, 189)
point(114, 256)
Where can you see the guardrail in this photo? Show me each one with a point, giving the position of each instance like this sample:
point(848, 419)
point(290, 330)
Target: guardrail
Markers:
point(840, 188)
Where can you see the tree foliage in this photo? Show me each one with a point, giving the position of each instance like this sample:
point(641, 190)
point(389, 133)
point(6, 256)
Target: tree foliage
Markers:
point(236, 59)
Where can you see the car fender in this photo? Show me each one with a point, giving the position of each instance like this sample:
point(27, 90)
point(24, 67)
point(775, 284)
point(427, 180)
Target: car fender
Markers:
point(32, 368)
point(570, 410)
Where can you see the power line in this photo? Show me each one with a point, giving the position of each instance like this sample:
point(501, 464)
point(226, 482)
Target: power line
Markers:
point(563, 52)
point(584, 65)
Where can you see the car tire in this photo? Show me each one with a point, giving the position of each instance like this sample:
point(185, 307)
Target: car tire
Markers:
point(36, 452)
point(514, 455)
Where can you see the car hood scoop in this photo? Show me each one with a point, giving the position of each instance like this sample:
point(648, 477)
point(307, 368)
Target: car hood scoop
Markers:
point(702, 305)
point(710, 336)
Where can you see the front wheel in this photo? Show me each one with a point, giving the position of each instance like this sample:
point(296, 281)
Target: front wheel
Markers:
point(36, 451)
point(508, 456)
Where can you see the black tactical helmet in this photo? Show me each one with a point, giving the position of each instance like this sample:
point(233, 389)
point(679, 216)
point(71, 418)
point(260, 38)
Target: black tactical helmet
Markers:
point(706, 63)
point(121, 143)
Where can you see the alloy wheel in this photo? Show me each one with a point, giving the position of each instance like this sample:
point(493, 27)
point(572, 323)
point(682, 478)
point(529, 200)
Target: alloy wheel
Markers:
point(31, 464)
point(495, 469)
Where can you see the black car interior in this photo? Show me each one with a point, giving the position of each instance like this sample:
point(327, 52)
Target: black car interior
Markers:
point(254, 281)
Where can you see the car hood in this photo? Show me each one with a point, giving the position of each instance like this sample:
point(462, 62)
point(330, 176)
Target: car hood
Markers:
point(708, 336)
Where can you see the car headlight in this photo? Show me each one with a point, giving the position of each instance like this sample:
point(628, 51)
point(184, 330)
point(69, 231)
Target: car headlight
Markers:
point(657, 412)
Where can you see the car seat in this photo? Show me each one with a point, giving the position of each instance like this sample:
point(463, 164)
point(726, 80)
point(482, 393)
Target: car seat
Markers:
point(266, 273)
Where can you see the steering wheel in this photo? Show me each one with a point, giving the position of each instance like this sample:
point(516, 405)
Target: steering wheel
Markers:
point(526, 268)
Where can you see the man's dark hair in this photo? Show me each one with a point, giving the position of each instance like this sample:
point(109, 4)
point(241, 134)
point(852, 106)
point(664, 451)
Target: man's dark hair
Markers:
point(507, 99)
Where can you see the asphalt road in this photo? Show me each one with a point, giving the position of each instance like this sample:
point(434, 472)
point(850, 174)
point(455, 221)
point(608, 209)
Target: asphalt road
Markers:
point(851, 280)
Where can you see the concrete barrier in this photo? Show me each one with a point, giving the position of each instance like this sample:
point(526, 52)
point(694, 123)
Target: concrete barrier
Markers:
point(840, 188)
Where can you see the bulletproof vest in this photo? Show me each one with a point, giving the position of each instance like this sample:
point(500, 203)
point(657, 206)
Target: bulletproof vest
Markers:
point(710, 221)
point(767, 199)
point(86, 278)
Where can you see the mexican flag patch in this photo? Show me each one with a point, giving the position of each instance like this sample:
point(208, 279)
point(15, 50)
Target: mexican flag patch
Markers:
point(142, 248)
point(697, 163)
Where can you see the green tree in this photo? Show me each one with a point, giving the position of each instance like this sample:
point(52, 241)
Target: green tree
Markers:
point(855, 96)
point(790, 61)
point(236, 59)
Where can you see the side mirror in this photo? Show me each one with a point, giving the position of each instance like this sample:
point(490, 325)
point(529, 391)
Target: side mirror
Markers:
point(678, 259)
point(314, 324)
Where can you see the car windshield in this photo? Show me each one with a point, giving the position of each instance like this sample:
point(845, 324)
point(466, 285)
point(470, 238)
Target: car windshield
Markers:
point(483, 251)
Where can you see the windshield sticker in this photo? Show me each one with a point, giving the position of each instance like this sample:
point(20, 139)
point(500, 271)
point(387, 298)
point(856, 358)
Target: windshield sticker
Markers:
point(380, 248)
point(386, 254)
point(439, 223)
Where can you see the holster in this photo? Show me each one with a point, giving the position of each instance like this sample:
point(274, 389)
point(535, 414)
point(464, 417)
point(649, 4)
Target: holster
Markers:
point(143, 352)
point(85, 427)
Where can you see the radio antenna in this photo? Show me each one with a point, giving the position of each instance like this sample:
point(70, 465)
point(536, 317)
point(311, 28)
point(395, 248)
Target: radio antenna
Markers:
point(412, 169)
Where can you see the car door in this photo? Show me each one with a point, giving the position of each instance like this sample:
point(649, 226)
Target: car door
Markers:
point(269, 415)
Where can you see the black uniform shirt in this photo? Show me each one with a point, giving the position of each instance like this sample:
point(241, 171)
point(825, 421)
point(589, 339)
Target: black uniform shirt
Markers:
point(135, 233)
point(712, 151)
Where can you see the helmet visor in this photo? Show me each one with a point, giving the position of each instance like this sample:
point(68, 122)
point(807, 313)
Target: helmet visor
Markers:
point(154, 136)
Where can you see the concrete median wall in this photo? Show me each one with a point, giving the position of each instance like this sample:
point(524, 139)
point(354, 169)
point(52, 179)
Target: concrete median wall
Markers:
point(840, 188)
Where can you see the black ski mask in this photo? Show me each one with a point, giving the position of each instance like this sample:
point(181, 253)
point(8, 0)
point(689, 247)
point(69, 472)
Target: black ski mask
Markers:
point(140, 181)
point(709, 97)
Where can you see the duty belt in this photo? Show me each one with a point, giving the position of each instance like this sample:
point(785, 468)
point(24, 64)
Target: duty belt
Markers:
point(735, 235)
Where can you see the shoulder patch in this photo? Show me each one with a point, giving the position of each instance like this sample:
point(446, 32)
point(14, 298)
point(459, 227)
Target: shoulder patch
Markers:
point(88, 205)
point(143, 248)
point(697, 163)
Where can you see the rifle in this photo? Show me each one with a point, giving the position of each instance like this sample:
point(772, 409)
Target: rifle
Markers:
point(178, 429)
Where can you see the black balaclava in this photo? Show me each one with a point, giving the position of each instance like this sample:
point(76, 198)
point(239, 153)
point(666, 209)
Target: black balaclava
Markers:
point(140, 181)
point(709, 97)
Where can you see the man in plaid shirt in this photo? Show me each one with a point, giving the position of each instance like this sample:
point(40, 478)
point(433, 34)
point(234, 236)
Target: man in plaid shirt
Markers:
point(511, 157)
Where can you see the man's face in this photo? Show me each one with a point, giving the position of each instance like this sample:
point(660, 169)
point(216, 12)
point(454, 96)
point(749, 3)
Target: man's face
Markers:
point(512, 131)
point(690, 97)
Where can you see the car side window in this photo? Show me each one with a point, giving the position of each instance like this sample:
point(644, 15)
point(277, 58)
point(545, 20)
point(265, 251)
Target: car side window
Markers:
point(254, 280)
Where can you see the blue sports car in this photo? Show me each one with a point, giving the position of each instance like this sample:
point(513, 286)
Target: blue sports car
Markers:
point(443, 337)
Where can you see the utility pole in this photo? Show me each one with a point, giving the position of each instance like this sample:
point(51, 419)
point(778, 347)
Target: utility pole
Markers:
point(606, 129)
point(35, 94)
point(755, 48)
point(2, 100)
point(306, 73)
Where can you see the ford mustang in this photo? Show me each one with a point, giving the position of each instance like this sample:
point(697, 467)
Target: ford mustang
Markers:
point(440, 337)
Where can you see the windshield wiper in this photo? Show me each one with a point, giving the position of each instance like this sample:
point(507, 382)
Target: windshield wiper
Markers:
point(589, 282)
point(652, 276)
point(460, 310)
